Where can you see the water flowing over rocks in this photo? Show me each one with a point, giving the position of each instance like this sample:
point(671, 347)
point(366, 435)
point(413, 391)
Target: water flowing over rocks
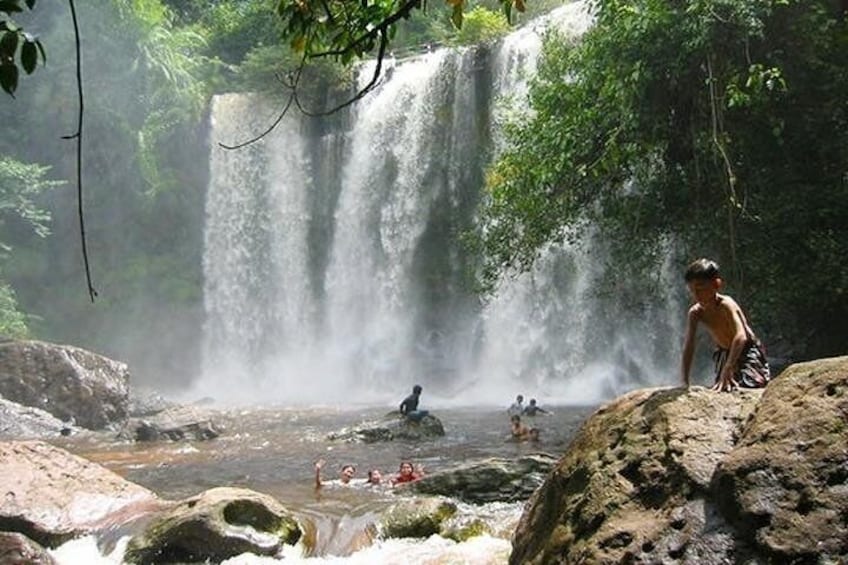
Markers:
point(490, 480)
point(694, 476)
point(51, 495)
point(70, 383)
point(217, 524)
point(392, 427)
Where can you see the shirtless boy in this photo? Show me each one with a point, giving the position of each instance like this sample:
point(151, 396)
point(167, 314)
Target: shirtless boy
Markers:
point(739, 357)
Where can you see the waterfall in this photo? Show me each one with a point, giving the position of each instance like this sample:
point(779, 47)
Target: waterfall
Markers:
point(333, 267)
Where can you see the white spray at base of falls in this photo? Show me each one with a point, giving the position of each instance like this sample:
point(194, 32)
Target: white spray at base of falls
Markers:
point(333, 270)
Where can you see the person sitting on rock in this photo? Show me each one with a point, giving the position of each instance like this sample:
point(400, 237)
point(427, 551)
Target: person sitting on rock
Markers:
point(407, 473)
point(409, 406)
point(346, 474)
point(532, 409)
point(519, 431)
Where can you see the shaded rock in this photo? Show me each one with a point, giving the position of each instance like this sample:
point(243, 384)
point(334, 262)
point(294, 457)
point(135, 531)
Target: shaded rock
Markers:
point(51, 495)
point(392, 427)
point(785, 485)
point(68, 382)
point(217, 524)
point(489, 480)
point(17, 549)
point(692, 476)
point(25, 422)
point(415, 517)
point(174, 424)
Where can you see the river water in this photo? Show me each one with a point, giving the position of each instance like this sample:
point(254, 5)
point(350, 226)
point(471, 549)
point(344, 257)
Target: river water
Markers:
point(273, 450)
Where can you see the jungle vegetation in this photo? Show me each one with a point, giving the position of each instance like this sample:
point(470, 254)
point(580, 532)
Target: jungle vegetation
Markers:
point(720, 126)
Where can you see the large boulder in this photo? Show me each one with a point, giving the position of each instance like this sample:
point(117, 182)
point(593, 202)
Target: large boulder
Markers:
point(215, 525)
point(393, 426)
point(490, 480)
point(785, 485)
point(694, 476)
point(68, 382)
point(52, 496)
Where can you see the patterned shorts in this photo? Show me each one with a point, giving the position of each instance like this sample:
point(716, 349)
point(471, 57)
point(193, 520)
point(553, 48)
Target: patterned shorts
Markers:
point(752, 370)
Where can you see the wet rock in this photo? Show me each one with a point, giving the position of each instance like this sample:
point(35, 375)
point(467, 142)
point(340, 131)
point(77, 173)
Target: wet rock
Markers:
point(17, 549)
point(693, 476)
point(147, 403)
point(217, 524)
point(392, 427)
point(25, 422)
point(51, 495)
point(490, 480)
point(70, 383)
point(415, 517)
point(174, 424)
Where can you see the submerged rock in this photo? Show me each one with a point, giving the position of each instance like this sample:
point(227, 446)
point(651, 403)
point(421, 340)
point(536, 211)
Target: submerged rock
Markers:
point(52, 496)
point(490, 480)
point(393, 426)
point(694, 476)
point(70, 383)
point(174, 424)
point(215, 525)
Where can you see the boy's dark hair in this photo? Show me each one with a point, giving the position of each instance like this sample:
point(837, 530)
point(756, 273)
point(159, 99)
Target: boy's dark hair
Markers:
point(416, 389)
point(702, 270)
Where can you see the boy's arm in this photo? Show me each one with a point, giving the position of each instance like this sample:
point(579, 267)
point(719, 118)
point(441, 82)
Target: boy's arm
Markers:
point(689, 345)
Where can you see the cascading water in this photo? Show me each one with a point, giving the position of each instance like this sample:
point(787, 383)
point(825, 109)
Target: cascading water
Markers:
point(333, 266)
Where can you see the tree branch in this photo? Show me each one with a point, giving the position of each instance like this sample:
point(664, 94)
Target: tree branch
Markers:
point(78, 137)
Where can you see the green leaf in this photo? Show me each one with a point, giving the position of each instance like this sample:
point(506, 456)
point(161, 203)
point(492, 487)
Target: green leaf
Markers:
point(29, 56)
point(8, 44)
point(30, 4)
point(9, 78)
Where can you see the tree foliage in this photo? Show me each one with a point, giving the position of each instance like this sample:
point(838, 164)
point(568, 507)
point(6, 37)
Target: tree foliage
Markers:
point(718, 123)
point(17, 47)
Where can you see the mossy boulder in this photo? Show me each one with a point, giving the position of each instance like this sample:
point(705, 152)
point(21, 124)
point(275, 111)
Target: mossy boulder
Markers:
point(215, 525)
point(495, 479)
point(693, 476)
point(415, 517)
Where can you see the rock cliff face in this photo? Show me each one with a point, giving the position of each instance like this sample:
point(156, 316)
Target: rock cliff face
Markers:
point(694, 476)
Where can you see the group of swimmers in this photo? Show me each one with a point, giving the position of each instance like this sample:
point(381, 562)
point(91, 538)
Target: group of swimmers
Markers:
point(518, 430)
point(406, 474)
